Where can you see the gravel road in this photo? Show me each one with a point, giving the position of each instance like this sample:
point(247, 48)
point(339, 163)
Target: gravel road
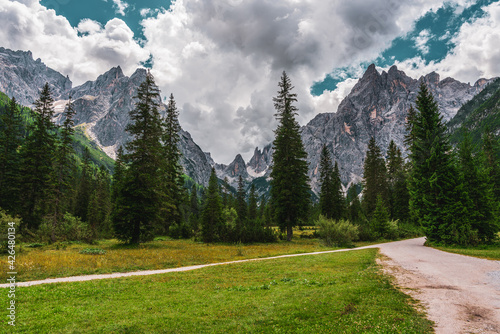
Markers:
point(461, 294)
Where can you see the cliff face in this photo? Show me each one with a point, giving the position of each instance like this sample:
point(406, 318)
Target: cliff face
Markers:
point(22, 77)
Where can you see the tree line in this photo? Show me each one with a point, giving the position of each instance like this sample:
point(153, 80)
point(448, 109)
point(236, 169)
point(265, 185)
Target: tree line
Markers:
point(452, 195)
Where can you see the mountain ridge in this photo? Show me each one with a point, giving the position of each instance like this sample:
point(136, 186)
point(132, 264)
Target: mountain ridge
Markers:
point(376, 106)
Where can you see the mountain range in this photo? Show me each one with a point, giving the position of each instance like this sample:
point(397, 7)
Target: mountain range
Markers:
point(376, 106)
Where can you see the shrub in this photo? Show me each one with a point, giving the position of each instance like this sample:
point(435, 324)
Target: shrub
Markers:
point(338, 233)
point(6, 222)
point(70, 228)
point(392, 231)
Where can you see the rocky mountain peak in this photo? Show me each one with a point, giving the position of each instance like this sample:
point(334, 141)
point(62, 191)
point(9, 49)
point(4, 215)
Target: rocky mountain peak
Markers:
point(432, 78)
point(237, 168)
point(113, 74)
point(22, 77)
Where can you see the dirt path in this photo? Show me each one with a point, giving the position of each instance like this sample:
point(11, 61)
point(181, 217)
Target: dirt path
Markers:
point(461, 294)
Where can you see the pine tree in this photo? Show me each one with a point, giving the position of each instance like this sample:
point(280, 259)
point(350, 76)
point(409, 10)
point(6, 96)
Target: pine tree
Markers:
point(99, 209)
point(142, 197)
point(380, 219)
point(355, 211)
point(194, 209)
point(211, 220)
point(64, 171)
point(374, 178)
point(479, 190)
point(38, 157)
point(437, 198)
point(84, 186)
point(326, 196)
point(491, 161)
point(10, 160)
point(172, 175)
point(289, 182)
point(241, 208)
point(338, 205)
point(398, 191)
point(252, 205)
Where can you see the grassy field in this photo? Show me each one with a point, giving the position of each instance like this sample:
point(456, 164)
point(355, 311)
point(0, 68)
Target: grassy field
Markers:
point(330, 293)
point(490, 252)
point(69, 259)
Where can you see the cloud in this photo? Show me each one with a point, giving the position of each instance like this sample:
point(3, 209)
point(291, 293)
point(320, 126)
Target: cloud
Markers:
point(83, 52)
point(120, 7)
point(223, 59)
point(474, 56)
point(421, 41)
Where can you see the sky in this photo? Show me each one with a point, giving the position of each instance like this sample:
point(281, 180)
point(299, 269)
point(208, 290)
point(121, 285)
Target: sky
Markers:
point(222, 59)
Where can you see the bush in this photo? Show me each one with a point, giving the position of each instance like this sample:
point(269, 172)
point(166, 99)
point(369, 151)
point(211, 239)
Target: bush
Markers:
point(6, 222)
point(392, 231)
point(338, 233)
point(70, 228)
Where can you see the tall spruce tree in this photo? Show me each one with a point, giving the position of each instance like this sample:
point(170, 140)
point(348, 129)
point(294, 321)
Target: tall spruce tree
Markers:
point(491, 160)
point(212, 224)
point(98, 213)
point(289, 181)
point(142, 197)
point(398, 192)
point(84, 190)
point(374, 178)
point(241, 207)
point(326, 195)
point(252, 205)
point(38, 156)
point(10, 160)
point(338, 204)
point(194, 209)
point(479, 190)
point(173, 183)
point(64, 171)
point(437, 198)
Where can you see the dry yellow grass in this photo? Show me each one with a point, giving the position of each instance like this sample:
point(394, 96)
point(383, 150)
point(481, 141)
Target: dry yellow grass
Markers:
point(65, 260)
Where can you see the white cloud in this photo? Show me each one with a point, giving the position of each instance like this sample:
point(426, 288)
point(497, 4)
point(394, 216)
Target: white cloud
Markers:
point(120, 7)
point(87, 26)
point(222, 59)
point(145, 12)
point(30, 26)
point(421, 41)
point(475, 54)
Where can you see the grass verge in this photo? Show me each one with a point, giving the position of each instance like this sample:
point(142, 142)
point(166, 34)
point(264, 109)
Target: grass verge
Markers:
point(490, 252)
point(330, 293)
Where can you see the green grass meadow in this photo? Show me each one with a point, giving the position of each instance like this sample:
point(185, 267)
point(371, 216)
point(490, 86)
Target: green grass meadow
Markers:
point(328, 293)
